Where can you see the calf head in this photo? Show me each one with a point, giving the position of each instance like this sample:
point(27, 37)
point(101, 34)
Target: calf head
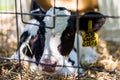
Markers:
point(60, 35)
point(59, 38)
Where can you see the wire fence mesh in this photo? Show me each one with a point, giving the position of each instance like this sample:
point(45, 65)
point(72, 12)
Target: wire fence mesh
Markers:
point(9, 38)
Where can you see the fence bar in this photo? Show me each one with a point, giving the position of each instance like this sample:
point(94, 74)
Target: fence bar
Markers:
point(17, 29)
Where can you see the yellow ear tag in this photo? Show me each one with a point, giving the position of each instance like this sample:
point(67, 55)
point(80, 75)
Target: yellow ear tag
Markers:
point(90, 38)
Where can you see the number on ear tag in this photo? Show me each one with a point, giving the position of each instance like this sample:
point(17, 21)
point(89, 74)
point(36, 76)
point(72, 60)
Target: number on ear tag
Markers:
point(90, 38)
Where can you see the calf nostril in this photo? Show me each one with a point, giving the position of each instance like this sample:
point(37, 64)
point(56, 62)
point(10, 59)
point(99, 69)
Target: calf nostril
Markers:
point(49, 61)
point(55, 62)
point(48, 65)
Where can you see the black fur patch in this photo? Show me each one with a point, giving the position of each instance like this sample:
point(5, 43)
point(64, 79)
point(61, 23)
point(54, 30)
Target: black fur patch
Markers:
point(70, 60)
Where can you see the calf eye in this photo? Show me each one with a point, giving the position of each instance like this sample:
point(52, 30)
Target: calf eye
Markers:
point(67, 36)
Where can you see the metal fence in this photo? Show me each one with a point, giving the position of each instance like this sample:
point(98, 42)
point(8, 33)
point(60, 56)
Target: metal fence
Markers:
point(9, 31)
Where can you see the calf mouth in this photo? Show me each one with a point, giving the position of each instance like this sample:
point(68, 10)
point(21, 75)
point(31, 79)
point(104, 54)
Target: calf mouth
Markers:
point(49, 68)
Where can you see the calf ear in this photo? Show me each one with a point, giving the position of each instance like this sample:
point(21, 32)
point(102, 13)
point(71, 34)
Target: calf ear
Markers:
point(36, 9)
point(97, 18)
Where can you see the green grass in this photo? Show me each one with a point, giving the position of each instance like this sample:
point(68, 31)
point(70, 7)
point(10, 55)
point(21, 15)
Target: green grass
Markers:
point(7, 5)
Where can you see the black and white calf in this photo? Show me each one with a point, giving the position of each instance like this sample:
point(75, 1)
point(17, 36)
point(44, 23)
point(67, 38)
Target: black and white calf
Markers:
point(57, 46)
point(59, 42)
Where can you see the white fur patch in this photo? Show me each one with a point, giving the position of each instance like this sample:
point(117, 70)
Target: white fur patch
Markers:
point(32, 29)
point(60, 22)
point(22, 55)
point(87, 55)
point(69, 70)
